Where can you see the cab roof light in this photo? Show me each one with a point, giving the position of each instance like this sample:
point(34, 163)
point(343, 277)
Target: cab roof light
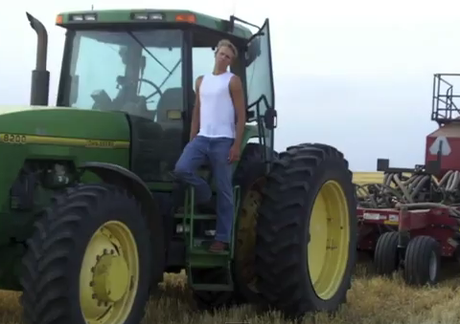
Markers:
point(190, 18)
point(83, 17)
point(149, 16)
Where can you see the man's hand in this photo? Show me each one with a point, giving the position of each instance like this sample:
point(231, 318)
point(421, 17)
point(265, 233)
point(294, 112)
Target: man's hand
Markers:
point(234, 153)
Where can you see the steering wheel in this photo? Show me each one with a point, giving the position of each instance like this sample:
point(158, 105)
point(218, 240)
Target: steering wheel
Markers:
point(157, 88)
point(122, 81)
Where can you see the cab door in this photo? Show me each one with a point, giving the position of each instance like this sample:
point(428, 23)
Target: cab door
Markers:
point(260, 88)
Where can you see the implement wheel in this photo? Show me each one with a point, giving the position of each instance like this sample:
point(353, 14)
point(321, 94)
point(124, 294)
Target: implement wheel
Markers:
point(386, 256)
point(422, 261)
point(88, 260)
point(306, 231)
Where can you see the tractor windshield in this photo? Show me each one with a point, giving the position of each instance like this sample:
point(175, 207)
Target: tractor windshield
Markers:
point(122, 70)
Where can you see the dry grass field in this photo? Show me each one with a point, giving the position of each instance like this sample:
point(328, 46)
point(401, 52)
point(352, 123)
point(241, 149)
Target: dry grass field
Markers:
point(372, 300)
point(361, 178)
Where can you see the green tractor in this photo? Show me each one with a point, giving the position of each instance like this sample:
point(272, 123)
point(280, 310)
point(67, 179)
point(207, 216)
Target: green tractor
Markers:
point(88, 225)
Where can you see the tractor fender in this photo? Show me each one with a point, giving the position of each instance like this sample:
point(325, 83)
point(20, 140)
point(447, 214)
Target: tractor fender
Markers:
point(124, 178)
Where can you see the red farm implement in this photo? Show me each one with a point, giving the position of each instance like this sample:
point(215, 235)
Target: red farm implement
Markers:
point(412, 219)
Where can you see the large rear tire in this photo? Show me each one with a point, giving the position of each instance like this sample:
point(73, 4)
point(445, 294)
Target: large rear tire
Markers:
point(251, 177)
point(306, 231)
point(89, 260)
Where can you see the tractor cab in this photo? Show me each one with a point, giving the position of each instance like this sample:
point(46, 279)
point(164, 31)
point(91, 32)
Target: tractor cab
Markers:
point(145, 64)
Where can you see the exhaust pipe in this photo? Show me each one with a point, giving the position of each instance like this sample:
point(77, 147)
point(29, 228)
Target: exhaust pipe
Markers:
point(40, 76)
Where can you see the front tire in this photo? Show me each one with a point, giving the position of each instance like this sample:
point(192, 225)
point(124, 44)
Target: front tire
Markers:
point(306, 231)
point(88, 260)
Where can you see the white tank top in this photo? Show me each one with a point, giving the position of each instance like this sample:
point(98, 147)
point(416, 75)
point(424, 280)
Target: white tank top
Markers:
point(217, 113)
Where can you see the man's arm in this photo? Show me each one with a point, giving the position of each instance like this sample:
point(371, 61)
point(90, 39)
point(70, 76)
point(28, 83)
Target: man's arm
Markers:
point(236, 90)
point(195, 126)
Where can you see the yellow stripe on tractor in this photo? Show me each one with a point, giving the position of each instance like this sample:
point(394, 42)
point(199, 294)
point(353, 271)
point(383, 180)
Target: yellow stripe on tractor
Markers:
point(20, 139)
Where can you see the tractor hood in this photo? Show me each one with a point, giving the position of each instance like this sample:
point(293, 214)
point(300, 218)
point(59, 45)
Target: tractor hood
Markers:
point(12, 109)
point(63, 122)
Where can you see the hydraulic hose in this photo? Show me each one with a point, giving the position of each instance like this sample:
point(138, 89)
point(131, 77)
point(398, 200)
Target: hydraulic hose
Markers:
point(395, 190)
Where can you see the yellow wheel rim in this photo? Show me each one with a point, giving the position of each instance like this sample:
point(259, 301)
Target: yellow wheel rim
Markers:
point(109, 275)
point(329, 240)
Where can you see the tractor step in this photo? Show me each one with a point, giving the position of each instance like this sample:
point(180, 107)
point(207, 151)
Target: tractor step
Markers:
point(203, 250)
point(213, 287)
point(199, 259)
point(212, 276)
point(197, 216)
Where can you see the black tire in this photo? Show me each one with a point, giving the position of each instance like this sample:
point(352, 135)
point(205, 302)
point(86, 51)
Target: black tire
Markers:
point(249, 175)
point(283, 229)
point(386, 256)
point(54, 258)
point(422, 253)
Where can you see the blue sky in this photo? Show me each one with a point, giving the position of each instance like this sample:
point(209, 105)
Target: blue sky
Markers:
point(355, 74)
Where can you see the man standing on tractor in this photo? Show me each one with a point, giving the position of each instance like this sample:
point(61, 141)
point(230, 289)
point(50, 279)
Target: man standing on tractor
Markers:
point(218, 121)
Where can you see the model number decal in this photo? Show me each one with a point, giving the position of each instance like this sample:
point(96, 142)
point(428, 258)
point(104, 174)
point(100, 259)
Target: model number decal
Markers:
point(98, 143)
point(14, 138)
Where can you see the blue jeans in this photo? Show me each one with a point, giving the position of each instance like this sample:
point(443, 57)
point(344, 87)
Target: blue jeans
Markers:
point(216, 151)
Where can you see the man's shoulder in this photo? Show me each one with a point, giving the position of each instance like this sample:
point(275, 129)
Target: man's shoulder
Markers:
point(234, 77)
point(200, 77)
point(235, 81)
point(198, 80)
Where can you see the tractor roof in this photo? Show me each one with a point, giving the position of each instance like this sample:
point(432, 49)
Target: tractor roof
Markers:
point(141, 16)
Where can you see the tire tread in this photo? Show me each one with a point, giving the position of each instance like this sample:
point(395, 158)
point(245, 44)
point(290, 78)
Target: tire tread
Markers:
point(43, 275)
point(278, 264)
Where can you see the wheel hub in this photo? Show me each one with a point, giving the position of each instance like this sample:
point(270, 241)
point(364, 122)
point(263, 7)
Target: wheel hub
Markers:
point(109, 275)
point(111, 278)
point(329, 237)
point(433, 266)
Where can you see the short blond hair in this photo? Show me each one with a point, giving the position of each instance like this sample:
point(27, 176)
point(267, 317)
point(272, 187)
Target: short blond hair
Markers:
point(227, 43)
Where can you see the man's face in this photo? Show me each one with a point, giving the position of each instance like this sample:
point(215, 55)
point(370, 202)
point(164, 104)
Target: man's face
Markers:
point(224, 56)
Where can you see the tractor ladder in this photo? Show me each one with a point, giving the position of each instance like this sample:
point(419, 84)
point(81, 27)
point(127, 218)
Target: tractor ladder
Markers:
point(199, 229)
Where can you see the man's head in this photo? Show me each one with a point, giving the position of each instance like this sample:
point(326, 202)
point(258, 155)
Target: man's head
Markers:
point(225, 53)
